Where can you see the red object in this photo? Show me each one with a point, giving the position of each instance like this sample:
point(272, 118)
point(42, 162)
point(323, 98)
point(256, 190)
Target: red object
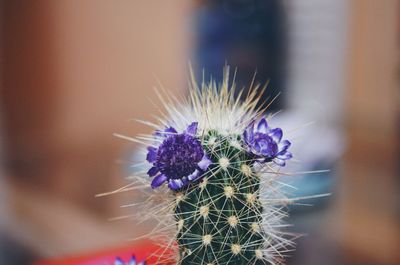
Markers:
point(142, 251)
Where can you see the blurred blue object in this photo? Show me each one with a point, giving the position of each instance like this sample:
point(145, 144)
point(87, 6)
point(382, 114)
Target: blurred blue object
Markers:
point(247, 34)
point(252, 35)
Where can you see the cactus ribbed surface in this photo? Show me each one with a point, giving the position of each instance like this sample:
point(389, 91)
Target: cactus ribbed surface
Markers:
point(219, 220)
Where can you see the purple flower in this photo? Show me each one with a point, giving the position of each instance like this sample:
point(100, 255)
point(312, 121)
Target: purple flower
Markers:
point(266, 143)
point(132, 261)
point(178, 160)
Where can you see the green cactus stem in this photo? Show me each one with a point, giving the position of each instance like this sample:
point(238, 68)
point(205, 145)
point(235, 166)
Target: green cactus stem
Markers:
point(220, 219)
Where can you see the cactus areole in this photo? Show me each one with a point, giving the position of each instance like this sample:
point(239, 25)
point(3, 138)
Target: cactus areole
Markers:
point(213, 169)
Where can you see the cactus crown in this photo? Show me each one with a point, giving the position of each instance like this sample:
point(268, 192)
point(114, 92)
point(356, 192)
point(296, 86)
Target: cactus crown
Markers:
point(214, 164)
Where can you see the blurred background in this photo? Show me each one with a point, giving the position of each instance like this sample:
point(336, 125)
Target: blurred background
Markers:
point(74, 72)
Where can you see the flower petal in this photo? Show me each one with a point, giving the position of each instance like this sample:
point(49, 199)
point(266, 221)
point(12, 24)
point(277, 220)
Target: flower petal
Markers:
point(158, 181)
point(248, 134)
point(194, 175)
point(276, 134)
point(285, 156)
point(262, 126)
point(192, 128)
point(119, 261)
point(185, 181)
point(132, 261)
point(152, 154)
point(256, 147)
point(170, 130)
point(268, 148)
point(279, 162)
point(204, 163)
point(142, 262)
point(152, 171)
point(175, 184)
point(283, 146)
point(199, 176)
point(166, 132)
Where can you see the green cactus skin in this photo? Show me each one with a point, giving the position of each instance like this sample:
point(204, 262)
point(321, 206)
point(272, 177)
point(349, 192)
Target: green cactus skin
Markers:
point(219, 219)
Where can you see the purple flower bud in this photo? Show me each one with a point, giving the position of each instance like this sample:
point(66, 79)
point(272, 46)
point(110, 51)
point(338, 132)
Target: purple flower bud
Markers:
point(132, 261)
point(266, 143)
point(178, 160)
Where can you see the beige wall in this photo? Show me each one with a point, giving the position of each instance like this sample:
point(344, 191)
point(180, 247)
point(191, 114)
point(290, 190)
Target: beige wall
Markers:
point(76, 71)
point(369, 190)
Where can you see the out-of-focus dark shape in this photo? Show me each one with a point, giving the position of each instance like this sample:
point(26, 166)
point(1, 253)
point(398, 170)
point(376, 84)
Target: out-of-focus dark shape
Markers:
point(247, 34)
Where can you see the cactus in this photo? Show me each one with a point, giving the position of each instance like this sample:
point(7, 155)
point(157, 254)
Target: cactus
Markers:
point(219, 220)
point(213, 167)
